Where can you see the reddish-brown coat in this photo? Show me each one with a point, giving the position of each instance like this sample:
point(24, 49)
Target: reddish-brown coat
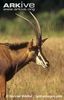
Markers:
point(10, 61)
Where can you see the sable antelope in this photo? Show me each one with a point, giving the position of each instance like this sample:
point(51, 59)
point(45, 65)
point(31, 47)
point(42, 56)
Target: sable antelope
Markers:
point(14, 56)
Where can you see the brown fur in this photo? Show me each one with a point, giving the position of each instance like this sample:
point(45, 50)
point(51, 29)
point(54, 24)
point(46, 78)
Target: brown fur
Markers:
point(11, 57)
point(14, 55)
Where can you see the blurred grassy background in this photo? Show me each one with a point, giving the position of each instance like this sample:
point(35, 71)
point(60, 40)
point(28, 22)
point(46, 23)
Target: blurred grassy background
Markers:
point(52, 24)
point(33, 79)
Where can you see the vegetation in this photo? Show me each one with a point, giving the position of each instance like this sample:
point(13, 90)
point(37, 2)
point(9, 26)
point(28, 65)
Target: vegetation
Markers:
point(52, 24)
point(34, 80)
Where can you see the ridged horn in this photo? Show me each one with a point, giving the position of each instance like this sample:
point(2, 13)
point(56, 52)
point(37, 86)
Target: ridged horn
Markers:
point(39, 32)
point(37, 29)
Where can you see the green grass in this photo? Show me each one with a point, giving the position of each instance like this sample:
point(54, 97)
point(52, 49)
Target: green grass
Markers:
point(33, 79)
point(52, 24)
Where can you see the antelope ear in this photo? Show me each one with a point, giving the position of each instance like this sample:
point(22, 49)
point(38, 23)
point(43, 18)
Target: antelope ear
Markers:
point(30, 44)
point(43, 40)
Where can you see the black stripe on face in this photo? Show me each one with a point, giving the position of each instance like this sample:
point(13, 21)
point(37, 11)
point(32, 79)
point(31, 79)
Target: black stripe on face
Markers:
point(41, 59)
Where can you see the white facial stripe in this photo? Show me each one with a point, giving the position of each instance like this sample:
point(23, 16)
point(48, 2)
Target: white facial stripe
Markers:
point(40, 60)
point(39, 54)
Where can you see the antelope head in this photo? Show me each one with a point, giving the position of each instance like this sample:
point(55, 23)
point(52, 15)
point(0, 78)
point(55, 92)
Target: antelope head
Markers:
point(35, 51)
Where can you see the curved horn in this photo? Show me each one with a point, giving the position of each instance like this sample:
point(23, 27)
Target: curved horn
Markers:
point(37, 23)
point(27, 21)
point(37, 29)
point(39, 33)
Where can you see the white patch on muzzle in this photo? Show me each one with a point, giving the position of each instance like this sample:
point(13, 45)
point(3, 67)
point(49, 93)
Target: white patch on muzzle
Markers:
point(41, 61)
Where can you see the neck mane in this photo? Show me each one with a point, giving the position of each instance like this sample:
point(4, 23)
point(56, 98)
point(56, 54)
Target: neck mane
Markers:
point(15, 46)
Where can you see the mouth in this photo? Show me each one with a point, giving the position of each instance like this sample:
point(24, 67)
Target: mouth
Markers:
point(46, 65)
point(43, 63)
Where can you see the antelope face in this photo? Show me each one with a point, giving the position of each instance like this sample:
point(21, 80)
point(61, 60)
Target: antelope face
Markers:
point(35, 52)
point(37, 56)
point(41, 60)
